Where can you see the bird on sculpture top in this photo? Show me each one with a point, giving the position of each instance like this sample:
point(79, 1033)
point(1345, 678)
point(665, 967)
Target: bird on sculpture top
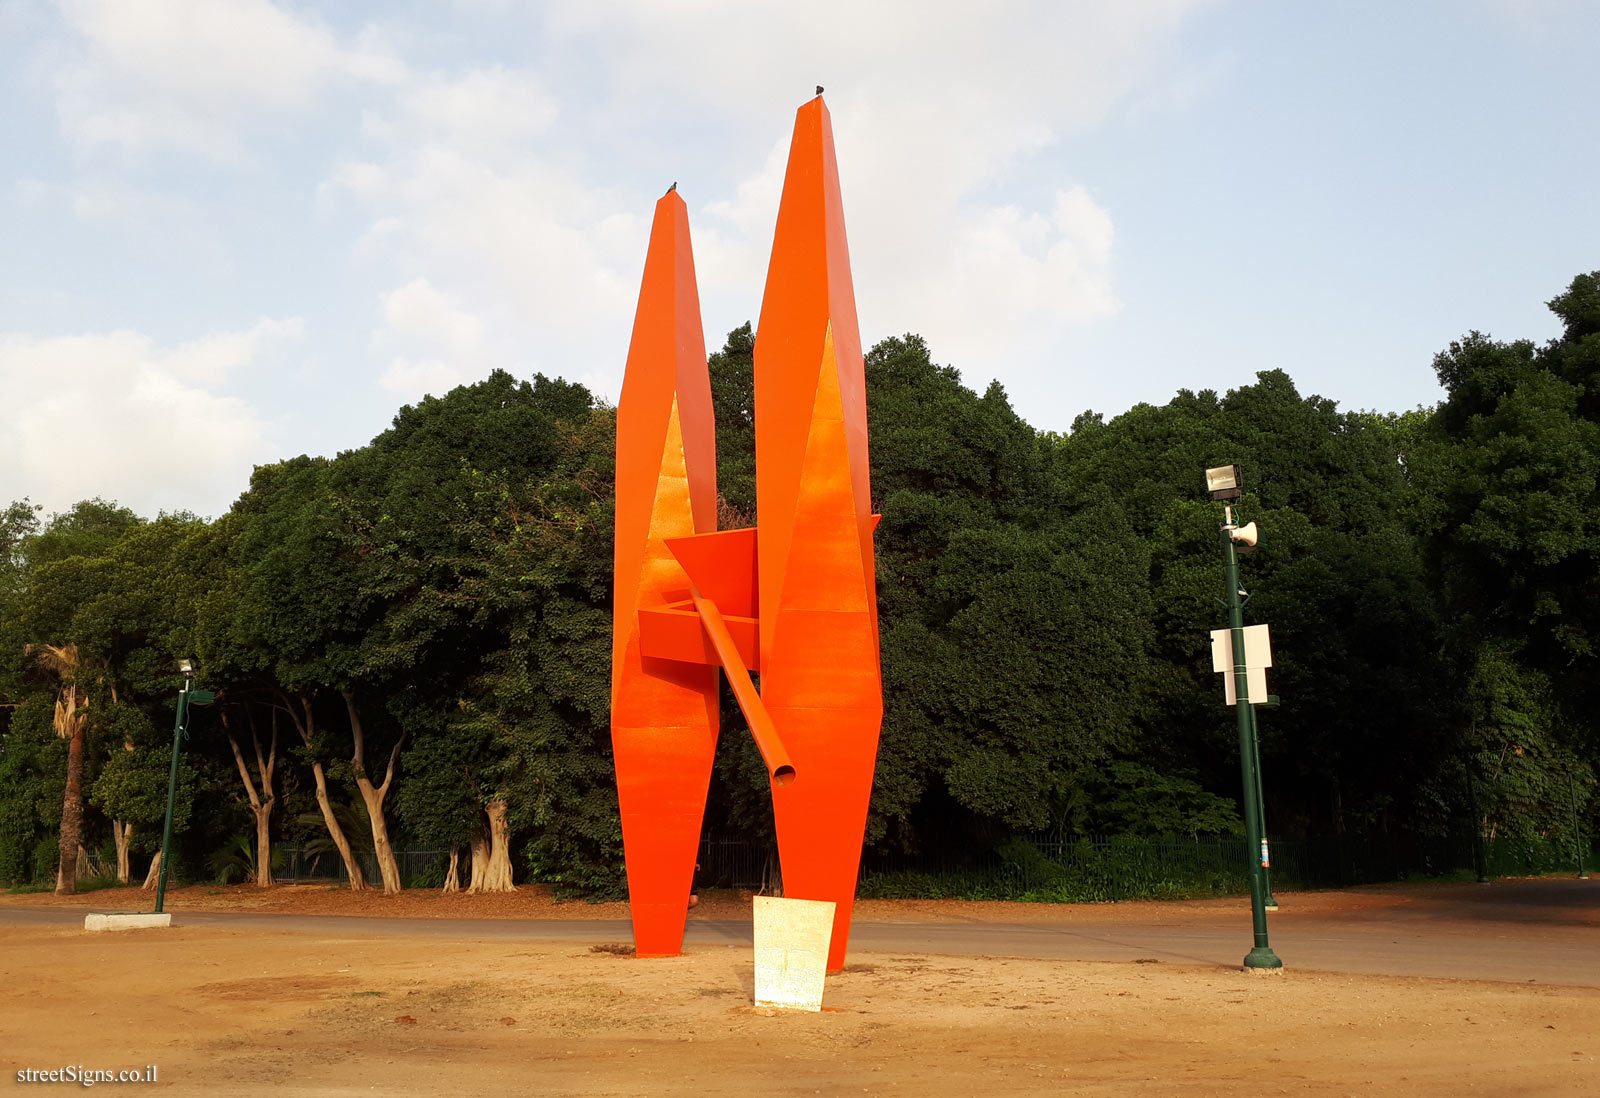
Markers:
point(819, 89)
point(673, 187)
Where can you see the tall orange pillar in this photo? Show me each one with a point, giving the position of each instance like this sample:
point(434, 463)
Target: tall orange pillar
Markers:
point(817, 599)
point(663, 711)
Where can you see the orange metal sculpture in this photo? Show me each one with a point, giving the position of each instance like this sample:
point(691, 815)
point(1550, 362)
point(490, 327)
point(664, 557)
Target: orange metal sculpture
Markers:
point(794, 599)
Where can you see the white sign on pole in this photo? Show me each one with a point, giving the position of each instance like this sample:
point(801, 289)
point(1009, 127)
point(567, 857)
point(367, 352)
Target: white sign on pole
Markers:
point(1257, 658)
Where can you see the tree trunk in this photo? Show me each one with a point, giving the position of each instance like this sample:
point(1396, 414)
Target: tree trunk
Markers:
point(388, 868)
point(122, 834)
point(71, 815)
point(263, 815)
point(260, 803)
point(153, 877)
point(305, 724)
point(497, 873)
point(357, 880)
point(480, 863)
point(772, 873)
point(452, 875)
point(373, 796)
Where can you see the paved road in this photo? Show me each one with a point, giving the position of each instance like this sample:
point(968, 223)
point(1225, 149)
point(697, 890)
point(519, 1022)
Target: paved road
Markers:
point(1545, 931)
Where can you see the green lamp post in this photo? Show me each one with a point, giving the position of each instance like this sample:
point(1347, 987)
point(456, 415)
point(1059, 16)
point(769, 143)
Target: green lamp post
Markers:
point(180, 731)
point(1480, 848)
point(1261, 800)
point(1223, 483)
point(1577, 830)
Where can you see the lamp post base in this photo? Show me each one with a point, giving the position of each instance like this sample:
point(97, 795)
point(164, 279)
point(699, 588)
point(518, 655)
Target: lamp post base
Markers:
point(141, 921)
point(1262, 960)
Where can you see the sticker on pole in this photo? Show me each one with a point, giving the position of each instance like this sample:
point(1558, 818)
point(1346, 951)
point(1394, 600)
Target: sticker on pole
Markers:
point(1266, 862)
point(1257, 658)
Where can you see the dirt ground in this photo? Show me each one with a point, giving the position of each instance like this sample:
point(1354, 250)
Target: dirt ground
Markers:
point(240, 1012)
point(537, 902)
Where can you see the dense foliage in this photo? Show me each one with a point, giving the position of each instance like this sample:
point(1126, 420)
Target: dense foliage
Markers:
point(409, 641)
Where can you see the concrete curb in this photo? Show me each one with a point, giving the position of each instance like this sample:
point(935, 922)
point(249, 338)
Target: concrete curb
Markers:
point(126, 922)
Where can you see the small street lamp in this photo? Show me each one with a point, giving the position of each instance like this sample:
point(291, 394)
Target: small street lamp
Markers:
point(180, 731)
point(1224, 483)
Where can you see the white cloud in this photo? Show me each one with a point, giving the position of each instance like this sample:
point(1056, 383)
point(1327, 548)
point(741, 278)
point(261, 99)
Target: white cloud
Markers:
point(414, 379)
point(118, 416)
point(461, 186)
point(514, 197)
point(210, 359)
point(1536, 15)
point(1043, 60)
point(509, 197)
point(483, 109)
point(418, 310)
point(1017, 269)
point(195, 73)
point(441, 343)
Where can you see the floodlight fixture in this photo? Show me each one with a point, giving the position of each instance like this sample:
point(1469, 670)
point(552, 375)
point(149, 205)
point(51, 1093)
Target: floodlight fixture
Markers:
point(186, 666)
point(1223, 482)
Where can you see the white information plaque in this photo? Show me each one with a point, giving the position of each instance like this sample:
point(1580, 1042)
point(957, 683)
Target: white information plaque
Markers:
point(791, 951)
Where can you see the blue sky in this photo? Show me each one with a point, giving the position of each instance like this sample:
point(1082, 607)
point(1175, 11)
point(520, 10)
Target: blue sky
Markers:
point(238, 230)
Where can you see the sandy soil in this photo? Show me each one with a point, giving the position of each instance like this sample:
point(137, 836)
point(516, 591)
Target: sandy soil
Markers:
point(242, 1012)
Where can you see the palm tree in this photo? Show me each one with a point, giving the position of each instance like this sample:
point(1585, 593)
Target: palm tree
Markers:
point(71, 724)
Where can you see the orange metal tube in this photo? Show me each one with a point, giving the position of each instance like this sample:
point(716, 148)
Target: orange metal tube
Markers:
point(779, 767)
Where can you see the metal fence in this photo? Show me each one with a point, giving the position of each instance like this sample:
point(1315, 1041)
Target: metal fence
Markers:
point(1086, 869)
point(420, 867)
point(1124, 868)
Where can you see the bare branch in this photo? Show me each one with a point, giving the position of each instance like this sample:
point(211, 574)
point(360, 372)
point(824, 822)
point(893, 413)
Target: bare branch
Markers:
point(272, 759)
point(359, 758)
point(388, 776)
point(306, 724)
point(238, 757)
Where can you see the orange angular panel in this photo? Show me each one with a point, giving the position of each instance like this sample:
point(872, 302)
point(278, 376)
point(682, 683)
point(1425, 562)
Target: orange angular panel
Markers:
point(817, 596)
point(663, 711)
point(676, 632)
point(723, 566)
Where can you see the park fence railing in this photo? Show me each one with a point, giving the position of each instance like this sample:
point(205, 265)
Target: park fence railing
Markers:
point(1127, 868)
point(1088, 869)
point(420, 867)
